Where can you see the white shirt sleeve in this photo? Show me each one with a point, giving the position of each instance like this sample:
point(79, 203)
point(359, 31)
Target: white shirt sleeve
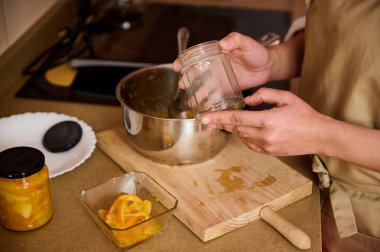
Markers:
point(297, 25)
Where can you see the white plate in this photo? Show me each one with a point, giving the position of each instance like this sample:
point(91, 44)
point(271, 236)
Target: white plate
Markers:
point(28, 130)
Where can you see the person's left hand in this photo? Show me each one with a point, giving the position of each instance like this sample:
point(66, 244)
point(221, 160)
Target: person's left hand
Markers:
point(292, 127)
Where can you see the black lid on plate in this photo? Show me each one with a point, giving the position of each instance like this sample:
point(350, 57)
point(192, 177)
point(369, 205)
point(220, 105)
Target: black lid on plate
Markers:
point(20, 162)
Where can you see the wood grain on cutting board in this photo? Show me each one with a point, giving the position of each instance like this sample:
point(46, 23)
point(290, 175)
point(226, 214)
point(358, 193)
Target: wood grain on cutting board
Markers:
point(220, 194)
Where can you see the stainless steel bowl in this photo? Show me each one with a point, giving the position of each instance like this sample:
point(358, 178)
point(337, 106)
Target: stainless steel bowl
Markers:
point(145, 95)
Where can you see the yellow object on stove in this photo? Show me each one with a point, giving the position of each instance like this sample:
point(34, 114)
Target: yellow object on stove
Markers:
point(61, 76)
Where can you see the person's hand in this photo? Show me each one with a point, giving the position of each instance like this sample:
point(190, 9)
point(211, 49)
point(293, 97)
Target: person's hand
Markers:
point(292, 127)
point(250, 60)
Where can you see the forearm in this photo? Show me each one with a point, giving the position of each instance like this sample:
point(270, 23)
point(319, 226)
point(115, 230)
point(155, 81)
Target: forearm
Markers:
point(286, 58)
point(351, 143)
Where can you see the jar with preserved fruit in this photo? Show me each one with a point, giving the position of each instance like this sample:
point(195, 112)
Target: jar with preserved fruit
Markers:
point(25, 198)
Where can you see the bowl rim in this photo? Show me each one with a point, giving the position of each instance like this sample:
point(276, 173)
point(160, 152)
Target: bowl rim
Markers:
point(140, 223)
point(139, 71)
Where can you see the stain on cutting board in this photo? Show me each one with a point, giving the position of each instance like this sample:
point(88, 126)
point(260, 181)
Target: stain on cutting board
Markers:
point(230, 180)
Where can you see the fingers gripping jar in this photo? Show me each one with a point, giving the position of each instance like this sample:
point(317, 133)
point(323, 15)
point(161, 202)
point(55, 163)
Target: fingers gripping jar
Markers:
point(25, 198)
point(209, 79)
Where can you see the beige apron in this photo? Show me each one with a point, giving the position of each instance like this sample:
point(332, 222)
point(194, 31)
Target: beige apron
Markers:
point(341, 78)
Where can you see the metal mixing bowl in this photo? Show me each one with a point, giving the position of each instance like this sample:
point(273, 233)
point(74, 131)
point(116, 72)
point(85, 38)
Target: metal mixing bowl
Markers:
point(145, 95)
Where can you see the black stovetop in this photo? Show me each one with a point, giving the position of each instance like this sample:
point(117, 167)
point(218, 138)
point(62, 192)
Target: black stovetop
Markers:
point(150, 39)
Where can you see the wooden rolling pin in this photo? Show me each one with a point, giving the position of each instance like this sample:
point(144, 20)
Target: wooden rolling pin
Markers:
point(293, 234)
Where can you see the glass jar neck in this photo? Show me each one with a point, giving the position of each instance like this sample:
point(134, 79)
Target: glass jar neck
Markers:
point(199, 52)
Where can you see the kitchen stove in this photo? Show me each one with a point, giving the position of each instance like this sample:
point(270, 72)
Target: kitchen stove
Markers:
point(145, 35)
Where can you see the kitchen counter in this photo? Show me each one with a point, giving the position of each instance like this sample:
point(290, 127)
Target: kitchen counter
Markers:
point(72, 229)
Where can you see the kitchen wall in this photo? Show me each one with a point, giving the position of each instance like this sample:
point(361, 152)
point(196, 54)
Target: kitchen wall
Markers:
point(17, 16)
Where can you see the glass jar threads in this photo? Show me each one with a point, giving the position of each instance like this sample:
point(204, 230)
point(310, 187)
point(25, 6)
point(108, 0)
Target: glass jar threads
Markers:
point(25, 197)
point(209, 79)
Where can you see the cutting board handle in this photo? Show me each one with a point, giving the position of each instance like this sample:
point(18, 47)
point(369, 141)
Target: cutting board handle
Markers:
point(292, 233)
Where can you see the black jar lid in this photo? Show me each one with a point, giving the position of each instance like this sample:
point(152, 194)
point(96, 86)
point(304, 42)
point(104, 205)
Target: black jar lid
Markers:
point(20, 162)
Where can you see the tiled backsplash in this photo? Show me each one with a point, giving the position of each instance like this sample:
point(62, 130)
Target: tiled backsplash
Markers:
point(17, 16)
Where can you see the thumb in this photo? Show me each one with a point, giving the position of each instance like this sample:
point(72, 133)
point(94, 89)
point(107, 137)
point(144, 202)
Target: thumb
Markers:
point(233, 41)
point(176, 65)
point(269, 95)
point(236, 40)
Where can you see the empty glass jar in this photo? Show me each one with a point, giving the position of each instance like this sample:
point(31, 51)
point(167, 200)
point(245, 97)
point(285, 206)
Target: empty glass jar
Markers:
point(209, 79)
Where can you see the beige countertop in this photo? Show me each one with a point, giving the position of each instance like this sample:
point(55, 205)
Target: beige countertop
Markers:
point(72, 229)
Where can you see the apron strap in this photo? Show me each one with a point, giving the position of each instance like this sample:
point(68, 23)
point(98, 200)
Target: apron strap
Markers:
point(340, 201)
point(342, 209)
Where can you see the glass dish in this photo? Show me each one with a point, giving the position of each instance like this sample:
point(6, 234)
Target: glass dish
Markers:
point(145, 187)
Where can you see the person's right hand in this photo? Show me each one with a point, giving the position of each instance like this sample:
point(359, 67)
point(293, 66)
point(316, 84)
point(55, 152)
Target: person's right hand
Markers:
point(290, 128)
point(250, 60)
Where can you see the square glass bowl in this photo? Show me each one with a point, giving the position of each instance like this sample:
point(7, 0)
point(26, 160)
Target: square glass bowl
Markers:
point(141, 184)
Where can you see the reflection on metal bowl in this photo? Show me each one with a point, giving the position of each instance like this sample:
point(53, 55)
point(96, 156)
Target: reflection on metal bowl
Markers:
point(146, 95)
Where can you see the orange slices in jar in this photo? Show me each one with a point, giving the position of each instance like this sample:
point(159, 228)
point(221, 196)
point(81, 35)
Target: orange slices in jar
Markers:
point(25, 198)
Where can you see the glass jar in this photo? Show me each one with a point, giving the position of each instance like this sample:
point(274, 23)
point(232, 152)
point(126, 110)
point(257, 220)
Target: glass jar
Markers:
point(209, 79)
point(25, 198)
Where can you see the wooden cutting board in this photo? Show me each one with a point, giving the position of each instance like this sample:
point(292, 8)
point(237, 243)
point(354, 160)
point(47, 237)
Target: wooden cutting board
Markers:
point(219, 195)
